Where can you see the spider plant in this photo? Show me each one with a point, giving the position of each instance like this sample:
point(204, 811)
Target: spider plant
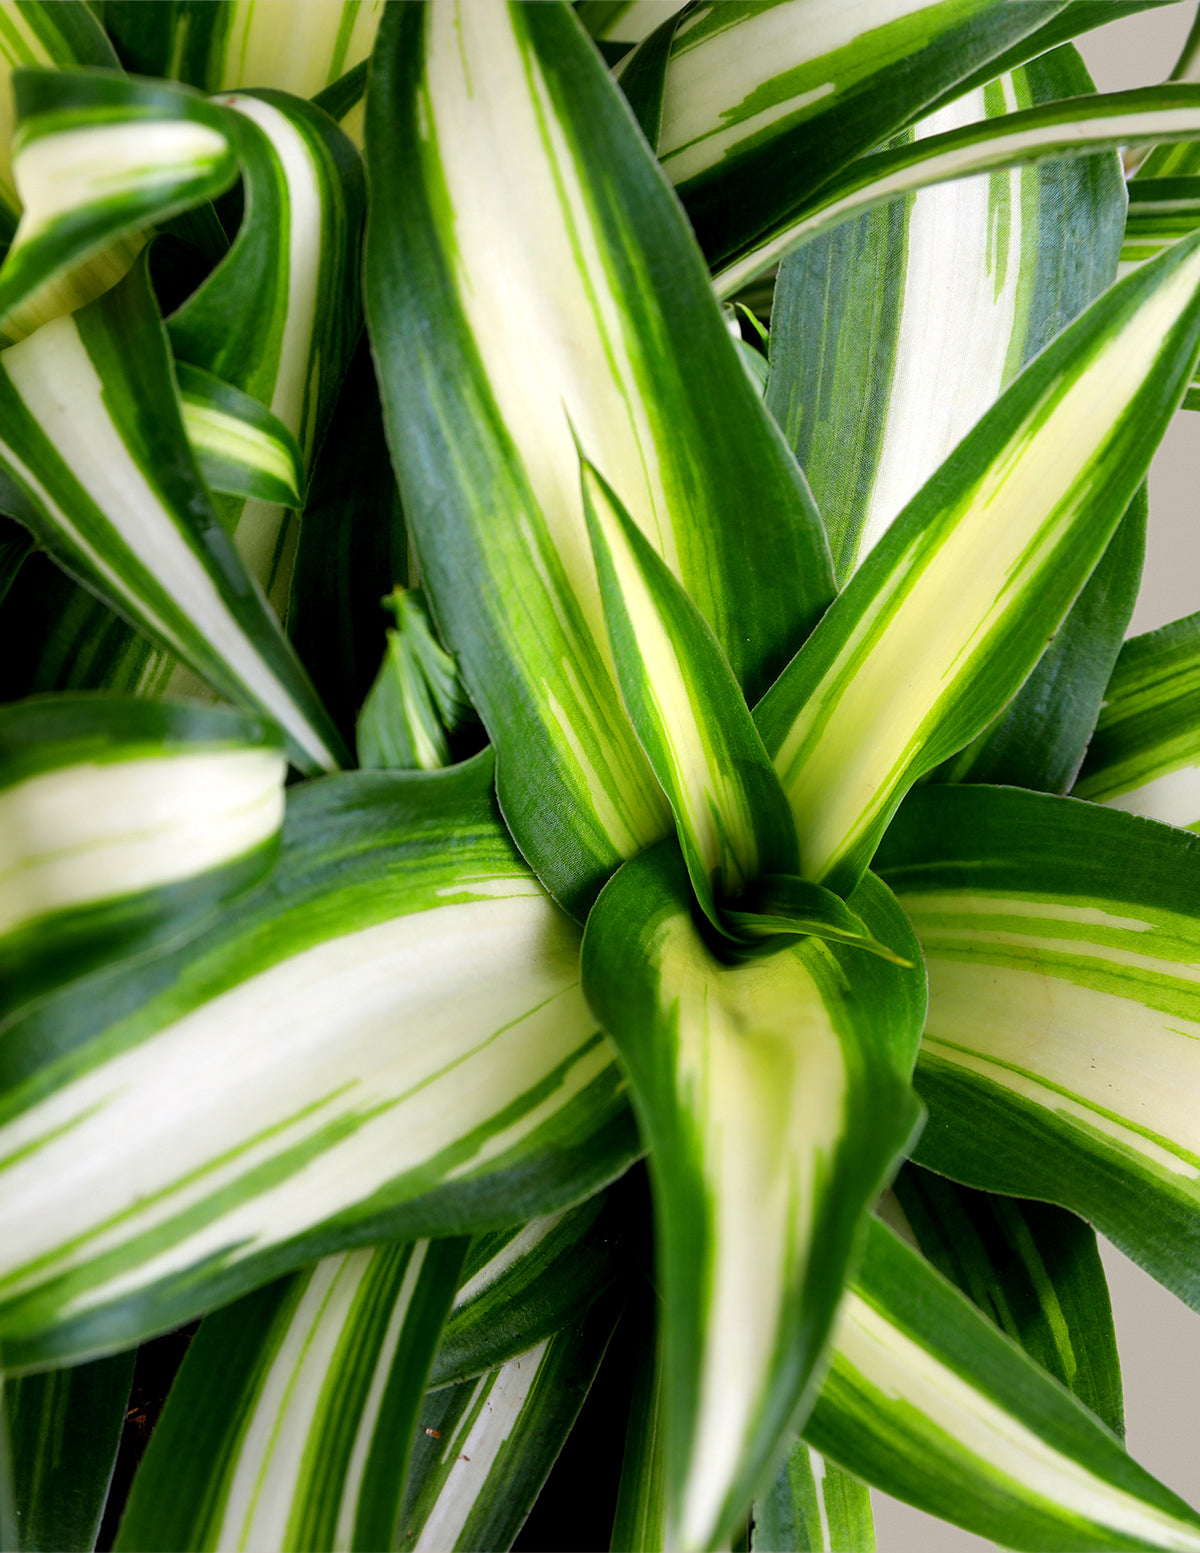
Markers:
point(585, 865)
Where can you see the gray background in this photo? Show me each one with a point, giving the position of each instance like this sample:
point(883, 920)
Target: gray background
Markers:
point(1159, 1337)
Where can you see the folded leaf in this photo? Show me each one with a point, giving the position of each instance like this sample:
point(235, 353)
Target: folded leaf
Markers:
point(62, 33)
point(688, 712)
point(112, 490)
point(926, 309)
point(953, 607)
point(1055, 129)
point(124, 822)
point(241, 448)
point(417, 699)
point(1145, 754)
point(279, 316)
point(98, 157)
point(240, 43)
point(774, 1099)
point(387, 1040)
point(487, 122)
point(1060, 1054)
point(290, 1423)
point(928, 1401)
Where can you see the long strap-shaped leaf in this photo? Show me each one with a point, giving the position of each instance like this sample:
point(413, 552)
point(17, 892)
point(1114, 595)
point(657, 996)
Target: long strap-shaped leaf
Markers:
point(1147, 115)
point(688, 713)
point(122, 822)
point(928, 1401)
point(953, 607)
point(774, 1097)
point(298, 49)
point(90, 181)
point(291, 1420)
point(1161, 210)
point(524, 1283)
point(1034, 1269)
point(812, 1507)
point(528, 272)
point(94, 448)
point(770, 100)
point(64, 1428)
point(63, 34)
point(279, 316)
point(1060, 1055)
point(1145, 754)
point(420, 1060)
point(486, 1446)
point(928, 307)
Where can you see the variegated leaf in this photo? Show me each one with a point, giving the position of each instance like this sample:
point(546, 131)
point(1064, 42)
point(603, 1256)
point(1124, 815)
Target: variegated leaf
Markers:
point(124, 822)
point(928, 307)
point(953, 607)
point(774, 1098)
point(928, 1401)
point(487, 123)
point(812, 1507)
point(241, 448)
point(291, 1420)
point(1060, 1054)
point(97, 463)
point(1145, 754)
point(422, 1061)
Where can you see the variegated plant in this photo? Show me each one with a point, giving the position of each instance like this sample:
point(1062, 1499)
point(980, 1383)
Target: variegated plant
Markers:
point(696, 458)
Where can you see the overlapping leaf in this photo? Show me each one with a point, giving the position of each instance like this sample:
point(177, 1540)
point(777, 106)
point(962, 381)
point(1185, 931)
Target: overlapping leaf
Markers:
point(951, 610)
point(1145, 754)
point(490, 124)
point(123, 822)
point(1059, 1057)
point(114, 493)
point(774, 1098)
point(290, 1423)
point(421, 1060)
point(928, 1401)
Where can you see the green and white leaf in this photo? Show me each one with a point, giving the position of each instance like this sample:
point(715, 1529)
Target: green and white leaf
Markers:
point(926, 309)
point(774, 1098)
point(1041, 737)
point(1145, 753)
point(241, 448)
point(1033, 1268)
point(1060, 1054)
point(63, 1430)
point(688, 712)
point(1161, 210)
point(240, 43)
point(762, 104)
point(951, 610)
point(291, 1420)
point(812, 1507)
point(422, 1062)
point(485, 1447)
point(522, 1284)
point(928, 1401)
point(1078, 126)
point(624, 21)
point(63, 34)
point(97, 158)
point(417, 699)
point(116, 497)
point(123, 822)
point(279, 316)
point(487, 122)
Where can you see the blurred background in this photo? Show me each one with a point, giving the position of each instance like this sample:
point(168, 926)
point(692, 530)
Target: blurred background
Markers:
point(1158, 1336)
